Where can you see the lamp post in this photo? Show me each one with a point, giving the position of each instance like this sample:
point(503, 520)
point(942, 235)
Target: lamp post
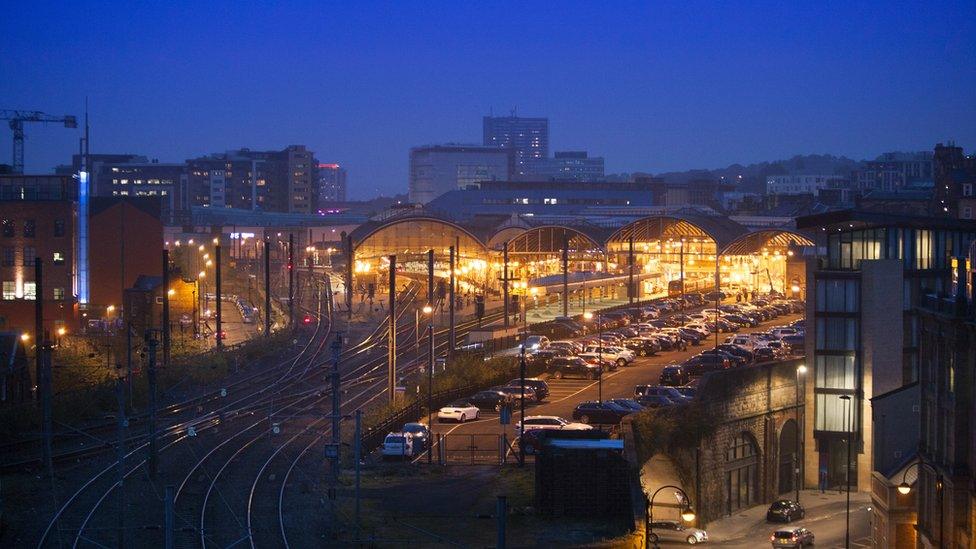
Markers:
point(429, 311)
point(599, 351)
point(801, 370)
point(904, 488)
point(848, 409)
point(687, 513)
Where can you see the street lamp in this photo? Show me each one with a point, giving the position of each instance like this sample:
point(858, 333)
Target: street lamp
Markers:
point(599, 350)
point(850, 432)
point(429, 311)
point(904, 488)
point(801, 370)
point(687, 513)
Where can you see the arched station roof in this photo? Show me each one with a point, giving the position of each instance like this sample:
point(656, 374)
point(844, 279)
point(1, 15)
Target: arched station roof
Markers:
point(413, 233)
point(720, 230)
point(754, 242)
point(549, 239)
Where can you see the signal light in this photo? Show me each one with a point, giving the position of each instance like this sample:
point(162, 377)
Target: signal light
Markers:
point(308, 319)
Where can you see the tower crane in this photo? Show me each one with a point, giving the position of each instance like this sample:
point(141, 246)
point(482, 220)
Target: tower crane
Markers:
point(17, 119)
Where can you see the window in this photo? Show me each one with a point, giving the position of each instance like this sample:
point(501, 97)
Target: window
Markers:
point(58, 227)
point(9, 290)
point(837, 296)
point(834, 372)
point(830, 410)
point(30, 290)
point(967, 189)
point(8, 228)
point(836, 334)
point(30, 228)
point(58, 293)
point(29, 254)
point(741, 473)
point(9, 256)
point(58, 258)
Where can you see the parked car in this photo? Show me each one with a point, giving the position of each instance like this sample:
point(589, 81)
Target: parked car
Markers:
point(571, 346)
point(714, 296)
point(619, 355)
point(515, 392)
point(536, 342)
point(764, 354)
point(573, 367)
point(551, 423)
point(459, 410)
point(661, 390)
point(794, 343)
point(784, 510)
point(597, 359)
point(674, 376)
point(629, 403)
point(490, 400)
point(671, 530)
point(737, 351)
point(599, 412)
point(419, 433)
point(792, 537)
point(397, 445)
point(688, 391)
point(705, 362)
point(654, 401)
point(540, 386)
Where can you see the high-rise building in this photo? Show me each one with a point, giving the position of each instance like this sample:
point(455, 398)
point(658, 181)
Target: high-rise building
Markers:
point(273, 181)
point(437, 169)
point(528, 137)
point(863, 327)
point(955, 182)
point(565, 166)
point(331, 180)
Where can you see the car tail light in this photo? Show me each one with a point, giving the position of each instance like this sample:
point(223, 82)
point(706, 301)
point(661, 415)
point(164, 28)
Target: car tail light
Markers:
point(772, 537)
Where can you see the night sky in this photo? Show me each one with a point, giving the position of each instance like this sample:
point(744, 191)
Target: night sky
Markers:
point(652, 86)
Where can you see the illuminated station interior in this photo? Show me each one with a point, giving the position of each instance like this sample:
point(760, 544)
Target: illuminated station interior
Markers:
point(655, 253)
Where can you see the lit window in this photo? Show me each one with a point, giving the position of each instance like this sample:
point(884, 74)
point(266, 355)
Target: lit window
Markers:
point(58, 258)
point(30, 290)
point(58, 293)
point(9, 290)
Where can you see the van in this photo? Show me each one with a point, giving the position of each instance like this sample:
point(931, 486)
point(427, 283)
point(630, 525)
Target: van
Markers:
point(742, 340)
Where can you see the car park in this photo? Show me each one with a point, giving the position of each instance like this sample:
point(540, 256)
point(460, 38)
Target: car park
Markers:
point(672, 530)
point(599, 412)
point(792, 537)
point(784, 510)
point(459, 410)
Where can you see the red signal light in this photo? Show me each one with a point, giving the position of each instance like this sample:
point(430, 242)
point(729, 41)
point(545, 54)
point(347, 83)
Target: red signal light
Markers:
point(308, 319)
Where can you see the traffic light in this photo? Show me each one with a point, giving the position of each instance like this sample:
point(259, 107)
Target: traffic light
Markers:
point(308, 319)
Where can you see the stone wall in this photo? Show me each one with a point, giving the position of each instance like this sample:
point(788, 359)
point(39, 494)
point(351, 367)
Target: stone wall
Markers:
point(759, 401)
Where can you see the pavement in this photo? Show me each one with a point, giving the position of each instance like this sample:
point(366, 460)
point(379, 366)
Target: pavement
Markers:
point(825, 517)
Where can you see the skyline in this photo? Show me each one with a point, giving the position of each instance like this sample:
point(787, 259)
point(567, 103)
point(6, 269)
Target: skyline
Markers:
point(831, 80)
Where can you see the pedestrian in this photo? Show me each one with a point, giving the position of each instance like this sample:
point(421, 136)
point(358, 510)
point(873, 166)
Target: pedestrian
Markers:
point(823, 480)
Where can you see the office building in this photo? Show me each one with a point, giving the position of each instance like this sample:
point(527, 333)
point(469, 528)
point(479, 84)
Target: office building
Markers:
point(274, 181)
point(143, 179)
point(798, 184)
point(565, 166)
point(527, 137)
point(863, 329)
point(437, 169)
point(331, 180)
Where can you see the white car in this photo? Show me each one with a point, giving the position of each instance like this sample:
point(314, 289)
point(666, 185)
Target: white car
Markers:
point(398, 445)
point(700, 328)
point(620, 355)
point(783, 332)
point(552, 423)
point(459, 411)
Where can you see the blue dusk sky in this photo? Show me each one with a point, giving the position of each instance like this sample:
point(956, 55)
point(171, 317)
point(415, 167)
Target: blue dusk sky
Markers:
point(651, 86)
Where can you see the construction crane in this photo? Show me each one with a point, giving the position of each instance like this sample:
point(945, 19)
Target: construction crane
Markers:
point(17, 119)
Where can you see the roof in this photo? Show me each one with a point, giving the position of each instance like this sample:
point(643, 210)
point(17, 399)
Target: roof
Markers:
point(863, 218)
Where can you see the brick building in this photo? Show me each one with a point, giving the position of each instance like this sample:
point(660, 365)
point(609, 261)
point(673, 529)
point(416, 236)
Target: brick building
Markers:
point(38, 218)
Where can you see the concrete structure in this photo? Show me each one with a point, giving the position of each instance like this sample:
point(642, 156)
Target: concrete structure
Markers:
point(437, 169)
point(565, 166)
point(862, 333)
point(331, 180)
point(528, 138)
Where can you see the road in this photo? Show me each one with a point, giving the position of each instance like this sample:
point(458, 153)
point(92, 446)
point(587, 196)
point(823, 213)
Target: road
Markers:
point(565, 394)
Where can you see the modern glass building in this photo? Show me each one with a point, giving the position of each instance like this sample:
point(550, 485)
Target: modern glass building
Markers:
point(528, 137)
point(862, 341)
